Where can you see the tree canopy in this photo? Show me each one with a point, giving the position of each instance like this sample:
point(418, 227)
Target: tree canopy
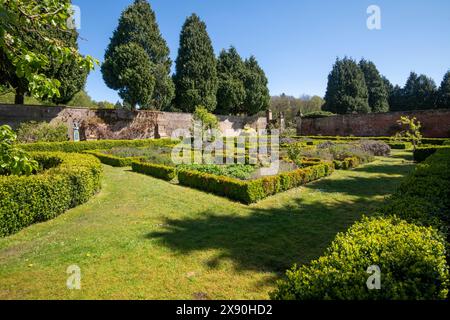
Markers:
point(444, 92)
point(347, 89)
point(376, 87)
point(195, 78)
point(33, 40)
point(145, 82)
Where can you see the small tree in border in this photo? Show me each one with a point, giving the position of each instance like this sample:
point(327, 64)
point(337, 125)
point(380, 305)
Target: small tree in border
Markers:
point(411, 133)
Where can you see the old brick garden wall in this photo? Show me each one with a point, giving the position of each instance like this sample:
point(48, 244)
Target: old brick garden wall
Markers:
point(119, 124)
point(435, 123)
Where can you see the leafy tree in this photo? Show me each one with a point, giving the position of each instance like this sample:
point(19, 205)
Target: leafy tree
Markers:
point(14, 160)
point(444, 92)
point(207, 121)
point(410, 132)
point(347, 90)
point(257, 97)
point(195, 79)
point(27, 48)
point(231, 92)
point(378, 96)
point(144, 77)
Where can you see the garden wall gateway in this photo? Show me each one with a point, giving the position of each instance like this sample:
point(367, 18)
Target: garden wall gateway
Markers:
point(435, 124)
point(119, 124)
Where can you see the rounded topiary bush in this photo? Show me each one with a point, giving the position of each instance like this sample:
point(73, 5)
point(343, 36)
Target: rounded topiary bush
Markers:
point(64, 181)
point(411, 258)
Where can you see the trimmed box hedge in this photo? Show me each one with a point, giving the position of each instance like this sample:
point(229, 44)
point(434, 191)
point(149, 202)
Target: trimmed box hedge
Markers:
point(252, 191)
point(422, 153)
point(407, 241)
point(155, 170)
point(81, 146)
point(424, 197)
point(432, 141)
point(66, 181)
point(111, 160)
point(410, 258)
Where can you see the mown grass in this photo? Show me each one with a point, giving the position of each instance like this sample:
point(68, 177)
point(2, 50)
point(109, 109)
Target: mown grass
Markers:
point(143, 238)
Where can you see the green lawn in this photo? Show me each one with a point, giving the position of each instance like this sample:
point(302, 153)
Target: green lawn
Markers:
point(143, 238)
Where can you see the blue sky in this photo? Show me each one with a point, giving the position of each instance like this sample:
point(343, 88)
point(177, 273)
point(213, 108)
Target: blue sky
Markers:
point(295, 41)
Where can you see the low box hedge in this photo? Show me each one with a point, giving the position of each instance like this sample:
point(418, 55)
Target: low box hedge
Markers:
point(399, 145)
point(411, 261)
point(111, 160)
point(424, 197)
point(422, 153)
point(155, 170)
point(252, 191)
point(81, 146)
point(406, 240)
point(66, 181)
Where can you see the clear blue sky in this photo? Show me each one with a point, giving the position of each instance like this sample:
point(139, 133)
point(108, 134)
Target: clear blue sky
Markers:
point(295, 41)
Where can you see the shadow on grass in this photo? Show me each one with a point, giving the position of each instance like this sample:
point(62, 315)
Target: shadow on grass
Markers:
point(273, 239)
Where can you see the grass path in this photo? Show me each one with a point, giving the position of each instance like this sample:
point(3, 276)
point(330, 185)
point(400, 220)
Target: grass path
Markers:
point(143, 238)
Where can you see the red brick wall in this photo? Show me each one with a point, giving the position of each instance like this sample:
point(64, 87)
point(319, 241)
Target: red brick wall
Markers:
point(435, 124)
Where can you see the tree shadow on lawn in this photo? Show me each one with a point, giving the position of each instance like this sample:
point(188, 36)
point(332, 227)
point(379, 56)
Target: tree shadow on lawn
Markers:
point(273, 239)
point(264, 240)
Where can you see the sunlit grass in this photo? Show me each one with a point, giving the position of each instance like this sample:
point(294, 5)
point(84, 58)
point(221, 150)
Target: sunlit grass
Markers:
point(143, 238)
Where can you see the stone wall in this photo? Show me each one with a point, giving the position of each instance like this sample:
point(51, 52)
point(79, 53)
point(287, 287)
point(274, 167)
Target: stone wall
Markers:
point(119, 124)
point(435, 124)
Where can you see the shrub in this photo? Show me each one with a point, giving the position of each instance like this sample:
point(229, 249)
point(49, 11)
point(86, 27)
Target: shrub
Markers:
point(422, 153)
point(155, 170)
point(29, 199)
point(30, 132)
point(238, 171)
point(13, 160)
point(399, 145)
point(411, 258)
point(253, 190)
point(318, 114)
point(423, 197)
point(111, 160)
point(156, 155)
point(70, 146)
point(342, 152)
point(377, 148)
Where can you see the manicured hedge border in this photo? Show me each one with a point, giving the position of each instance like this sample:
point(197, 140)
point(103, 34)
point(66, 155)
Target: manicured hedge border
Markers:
point(26, 200)
point(254, 190)
point(155, 170)
point(424, 197)
point(422, 153)
point(433, 141)
point(111, 160)
point(406, 240)
point(399, 145)
point(95, 145)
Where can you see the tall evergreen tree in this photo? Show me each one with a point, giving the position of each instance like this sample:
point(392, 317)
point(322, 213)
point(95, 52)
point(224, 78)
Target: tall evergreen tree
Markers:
point(378, 96)
point(419, 93)
point(138, 31)
point(231, 91)
point(444, 92)
point(195, 78)
point(257, 97)
point(347, 89)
